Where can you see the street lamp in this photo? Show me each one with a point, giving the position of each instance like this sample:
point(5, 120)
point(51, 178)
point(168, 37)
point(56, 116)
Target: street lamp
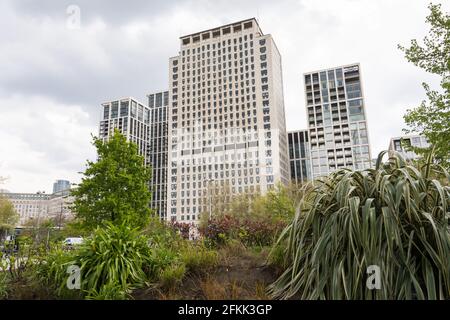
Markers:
point(210, 196)
point(40, 193)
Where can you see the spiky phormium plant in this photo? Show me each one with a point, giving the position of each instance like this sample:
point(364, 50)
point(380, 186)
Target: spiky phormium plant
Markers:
point(395, 216)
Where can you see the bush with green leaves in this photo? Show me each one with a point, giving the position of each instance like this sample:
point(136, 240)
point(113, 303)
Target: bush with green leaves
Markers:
point(114, 255)
point(50, 273)
point(4, 285)
point(394, 216)
point(109, 291)
point(198, 258)
point(171, 275)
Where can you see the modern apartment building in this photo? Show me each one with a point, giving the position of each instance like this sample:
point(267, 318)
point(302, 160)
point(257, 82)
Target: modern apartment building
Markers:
point(132, 119)
point(337, 121)
point(400, 144)
point(158, 104)
point(299, 156)
point(226, 121)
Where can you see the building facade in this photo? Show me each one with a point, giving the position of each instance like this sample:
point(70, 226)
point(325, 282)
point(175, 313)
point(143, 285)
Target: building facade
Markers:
point(29, 206)
point(37, 207)
point(59, 207)
point(132, 119)
point(226, 121)
point(158, 104)
point(337, 121)
point(400, 144)
point(299, 156)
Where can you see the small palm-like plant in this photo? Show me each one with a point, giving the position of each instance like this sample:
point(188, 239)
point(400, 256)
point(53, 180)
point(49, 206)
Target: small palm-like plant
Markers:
point(114, 257)
point(394, 216)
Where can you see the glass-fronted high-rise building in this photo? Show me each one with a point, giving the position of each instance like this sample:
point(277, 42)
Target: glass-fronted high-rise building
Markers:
point(337, 121)
point(299, 156)
point(158, 103)
point(61, 185)
point(226, 117)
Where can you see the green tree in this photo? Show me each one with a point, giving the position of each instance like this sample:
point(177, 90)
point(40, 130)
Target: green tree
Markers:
point(432, 118)
point(8, 215)
point(115, 188)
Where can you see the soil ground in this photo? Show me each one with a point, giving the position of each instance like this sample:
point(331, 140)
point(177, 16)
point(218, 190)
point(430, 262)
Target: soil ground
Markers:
point(238, 275)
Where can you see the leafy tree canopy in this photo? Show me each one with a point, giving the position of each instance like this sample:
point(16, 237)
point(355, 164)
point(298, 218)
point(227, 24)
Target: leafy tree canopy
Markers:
point(115, 188)
point(8, 215)
point(432, 117)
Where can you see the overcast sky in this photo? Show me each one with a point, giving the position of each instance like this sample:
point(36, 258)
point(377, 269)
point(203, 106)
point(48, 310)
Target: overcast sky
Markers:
point(53, 78)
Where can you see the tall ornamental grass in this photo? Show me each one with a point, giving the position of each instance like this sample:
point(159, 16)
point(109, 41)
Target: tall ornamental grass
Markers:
point(395, 216)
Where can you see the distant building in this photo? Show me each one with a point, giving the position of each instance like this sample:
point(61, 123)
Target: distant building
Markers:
point(59, 206)
point(400, 144)
point(29, 206)
point(299, 156)
point(41, 206)
point(61, 185)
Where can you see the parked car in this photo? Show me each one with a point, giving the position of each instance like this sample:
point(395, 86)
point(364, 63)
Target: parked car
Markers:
point(73, 241)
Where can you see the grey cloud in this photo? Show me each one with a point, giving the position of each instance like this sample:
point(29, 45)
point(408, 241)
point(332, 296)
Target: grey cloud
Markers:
point(122, 49)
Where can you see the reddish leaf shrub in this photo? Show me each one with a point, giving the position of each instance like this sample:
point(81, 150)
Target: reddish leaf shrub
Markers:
point(181, 228)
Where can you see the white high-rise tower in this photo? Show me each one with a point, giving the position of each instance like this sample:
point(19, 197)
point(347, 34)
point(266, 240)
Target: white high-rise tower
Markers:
point(226, 117)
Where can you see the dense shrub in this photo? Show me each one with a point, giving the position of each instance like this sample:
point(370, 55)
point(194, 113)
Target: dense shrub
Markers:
point(114, 255)
point(172, 275)
point(198, 258)
point(109, 291)
point(250, 231)
point(182, 229)
point(50, 273)
point(4, 282)
point(394, 216)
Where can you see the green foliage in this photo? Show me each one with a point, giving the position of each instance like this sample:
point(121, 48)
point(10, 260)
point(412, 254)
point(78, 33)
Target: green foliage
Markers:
point(249, 230)
point(114, 255)
point(277, 204)
point(280, 202)
point(198, 258)
point(8, 215)
point(277, 257)
point(4, 285)
point(109, 291)
point(73, 229)
point(392, 216)
point(50, 272)
point(161, 234)
point(162, 257)
point(115, 188)
point(431, 118)
point(172, 275)
point(253, 219)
